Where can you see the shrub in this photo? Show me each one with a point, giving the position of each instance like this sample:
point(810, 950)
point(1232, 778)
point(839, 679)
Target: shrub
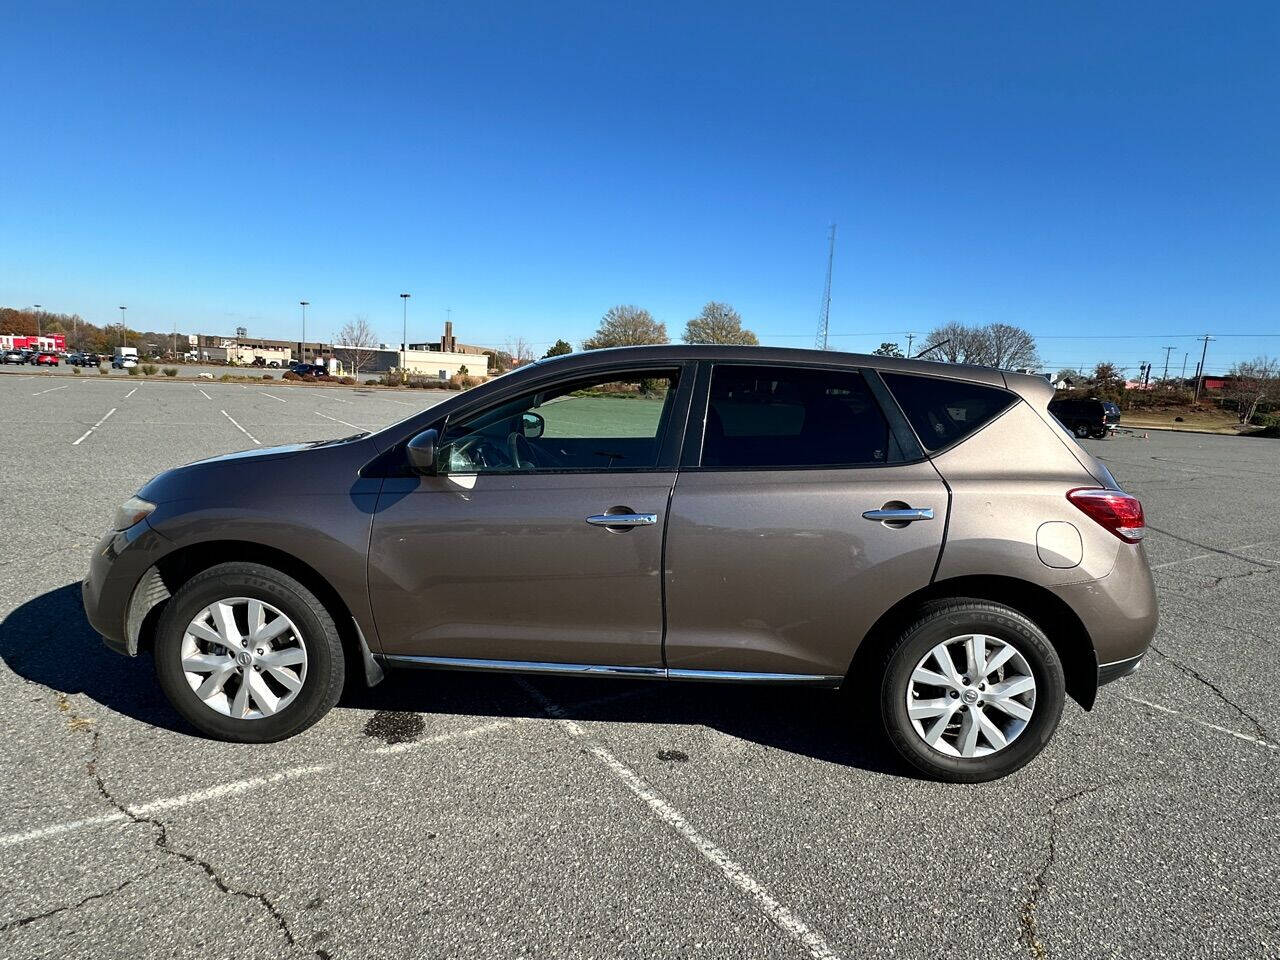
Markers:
point(290, 375)
point(132, 371)
point(1271, 421)
point(462, 380)
point(373, 383)
point(267, 376)
point(75, 371)
point(390, 378)
point(103, 370)
point(170, 371)
point(150, 369)
point(347, 381)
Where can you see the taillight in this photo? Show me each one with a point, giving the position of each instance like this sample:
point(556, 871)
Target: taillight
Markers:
point(1117, 511)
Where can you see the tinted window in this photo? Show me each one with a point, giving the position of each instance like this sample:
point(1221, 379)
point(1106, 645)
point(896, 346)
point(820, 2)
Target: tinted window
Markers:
point(606, 423)
point(944, 411)
point(785, 417)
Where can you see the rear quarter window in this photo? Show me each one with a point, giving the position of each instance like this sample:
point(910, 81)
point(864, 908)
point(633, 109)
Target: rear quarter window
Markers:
point(943, 411)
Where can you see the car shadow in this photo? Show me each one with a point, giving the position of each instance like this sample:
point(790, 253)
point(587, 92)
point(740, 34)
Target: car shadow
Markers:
point(48, 641)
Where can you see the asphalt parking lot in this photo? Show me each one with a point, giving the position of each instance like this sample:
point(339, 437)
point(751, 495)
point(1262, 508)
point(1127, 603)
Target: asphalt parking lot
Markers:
point(456, 815)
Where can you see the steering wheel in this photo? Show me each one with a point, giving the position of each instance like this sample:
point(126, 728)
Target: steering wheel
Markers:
point(480, 451)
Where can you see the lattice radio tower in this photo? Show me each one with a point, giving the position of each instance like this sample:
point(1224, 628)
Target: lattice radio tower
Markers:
point(824, 314)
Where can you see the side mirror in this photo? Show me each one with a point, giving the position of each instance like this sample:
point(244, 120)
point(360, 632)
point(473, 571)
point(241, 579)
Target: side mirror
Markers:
point(532, 425)
point(421, 451)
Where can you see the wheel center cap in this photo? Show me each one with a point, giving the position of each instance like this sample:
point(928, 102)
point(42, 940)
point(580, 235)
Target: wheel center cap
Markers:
point(971, 696)
point(244, 658)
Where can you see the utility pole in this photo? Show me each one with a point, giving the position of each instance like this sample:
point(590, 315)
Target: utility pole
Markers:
point(1184, 367)
point(120, 339)
point(1167, 351)
point(37, 321)
point(404, 338)
point(302, 346)
point(824, 312)
point(910, 337)
point(1146, 374)
point(1203, 353)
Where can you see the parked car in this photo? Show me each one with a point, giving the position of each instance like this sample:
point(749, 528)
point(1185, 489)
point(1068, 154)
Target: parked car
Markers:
point(45, 359)
point(123, 363)
point(309, 369)
point(922, 535)
point(1088, 417)
point(14, 356)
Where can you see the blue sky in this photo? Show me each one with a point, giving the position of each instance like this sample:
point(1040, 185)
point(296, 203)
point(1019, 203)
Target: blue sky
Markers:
point(1090, 171)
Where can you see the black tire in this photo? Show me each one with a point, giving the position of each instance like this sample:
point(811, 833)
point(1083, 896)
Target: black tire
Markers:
point(1081, 430)
point(325, 671)
point(941, 621)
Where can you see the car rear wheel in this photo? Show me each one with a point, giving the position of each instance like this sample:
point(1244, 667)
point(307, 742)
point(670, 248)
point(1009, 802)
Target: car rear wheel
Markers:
point(248, 654)
point(1081, 430)
point(972, 691)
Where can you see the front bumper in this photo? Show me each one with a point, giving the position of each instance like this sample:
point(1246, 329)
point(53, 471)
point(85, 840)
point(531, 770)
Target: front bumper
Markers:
point(119, 562)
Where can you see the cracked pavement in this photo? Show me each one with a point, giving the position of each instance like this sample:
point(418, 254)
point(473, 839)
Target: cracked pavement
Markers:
point(446, 815)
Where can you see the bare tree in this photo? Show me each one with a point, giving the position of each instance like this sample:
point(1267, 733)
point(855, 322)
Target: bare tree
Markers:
point(1251, 383)
point(718, 323)
point(1010, 347)
point(957, 343)
point(356, 343)
point(520, 351)
point(626, 326)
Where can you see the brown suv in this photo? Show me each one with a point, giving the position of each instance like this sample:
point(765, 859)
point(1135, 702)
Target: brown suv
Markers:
point(926, 535)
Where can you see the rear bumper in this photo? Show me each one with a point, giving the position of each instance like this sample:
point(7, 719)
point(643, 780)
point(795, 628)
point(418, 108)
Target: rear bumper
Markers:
point(1119, 669)
point(1118, 612)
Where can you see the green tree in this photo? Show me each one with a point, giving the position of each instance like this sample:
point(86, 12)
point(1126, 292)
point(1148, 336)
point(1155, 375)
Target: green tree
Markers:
point(626, 326)
point(887, 349)
point(718, 323)
point(558, 349)
point(1107, 376)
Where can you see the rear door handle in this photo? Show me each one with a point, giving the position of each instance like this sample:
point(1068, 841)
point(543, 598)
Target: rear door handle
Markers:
point(623, 519)
point(900, 515)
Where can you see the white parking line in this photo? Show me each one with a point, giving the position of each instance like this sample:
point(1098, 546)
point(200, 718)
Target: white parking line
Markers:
point(130, 393)
point(235, 788)
point(51, 389)
point(1215, 553)
point(403, 403)
point(240, 428)
point(812, 941)
point(335, 399)
point(274, 397)
point(205, 395)
point(76, 443)
point(1204, 723)
point(336, 420)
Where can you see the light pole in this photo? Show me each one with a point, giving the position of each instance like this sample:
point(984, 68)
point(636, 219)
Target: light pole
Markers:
point(302, 345)
point(404, 338)
point(1203, 353)
point(37, 321)
point(120, 338)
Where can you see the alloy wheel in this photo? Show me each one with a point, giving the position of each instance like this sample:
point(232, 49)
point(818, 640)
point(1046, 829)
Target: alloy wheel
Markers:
point(244, 658)
point(971, 696)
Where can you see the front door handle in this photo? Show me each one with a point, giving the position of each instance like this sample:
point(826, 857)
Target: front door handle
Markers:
point(900, 514)
point(623, 519)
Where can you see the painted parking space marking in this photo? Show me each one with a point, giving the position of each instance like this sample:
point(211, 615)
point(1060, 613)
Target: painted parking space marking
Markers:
point(130, 393)
point(203, 394)
point(240, 428)
point(274, 397)
point(813, 942)
point(51, 389)
point(336, 420)
point(85, 435)
point(1256, 741)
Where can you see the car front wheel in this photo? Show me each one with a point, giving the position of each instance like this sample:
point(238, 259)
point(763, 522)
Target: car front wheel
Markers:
point(248, 654)
point(972, 691)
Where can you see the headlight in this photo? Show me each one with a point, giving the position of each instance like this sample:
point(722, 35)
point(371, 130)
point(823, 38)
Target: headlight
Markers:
point(130, 512)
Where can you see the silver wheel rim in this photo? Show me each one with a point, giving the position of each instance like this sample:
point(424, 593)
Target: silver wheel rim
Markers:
point(971, 696)
point(244, 658)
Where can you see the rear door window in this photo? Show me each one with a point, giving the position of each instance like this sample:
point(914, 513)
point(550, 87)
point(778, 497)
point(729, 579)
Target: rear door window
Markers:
point(780, 417)
point(944, 411)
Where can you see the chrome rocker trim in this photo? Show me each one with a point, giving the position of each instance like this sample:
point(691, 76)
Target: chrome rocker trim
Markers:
point(603, 670)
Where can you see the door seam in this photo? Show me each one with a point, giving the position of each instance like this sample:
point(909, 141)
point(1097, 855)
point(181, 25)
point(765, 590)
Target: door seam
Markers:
point(662, 566)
